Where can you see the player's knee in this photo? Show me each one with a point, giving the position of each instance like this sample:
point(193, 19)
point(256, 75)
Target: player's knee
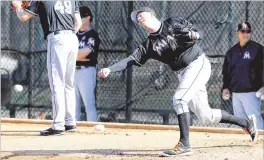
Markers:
point(211, 117)
point(180, 106)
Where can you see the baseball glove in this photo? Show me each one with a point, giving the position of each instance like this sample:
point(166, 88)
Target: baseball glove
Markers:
point(24, 5)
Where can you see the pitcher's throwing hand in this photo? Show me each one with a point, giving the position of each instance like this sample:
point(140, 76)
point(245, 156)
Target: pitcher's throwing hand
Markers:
point(104, 72)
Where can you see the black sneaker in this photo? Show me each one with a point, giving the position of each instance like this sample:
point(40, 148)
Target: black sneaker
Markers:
point(252, 128)
point(50, 132)
point(178, 150)
point(70, 128)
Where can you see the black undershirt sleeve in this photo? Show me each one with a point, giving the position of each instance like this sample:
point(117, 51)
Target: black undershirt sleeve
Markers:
point(122, 65)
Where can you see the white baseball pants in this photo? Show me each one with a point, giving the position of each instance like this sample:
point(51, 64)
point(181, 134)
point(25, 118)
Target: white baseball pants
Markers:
point(61, 62)
point(192, 89)
point(247, 104)
point(85, 83)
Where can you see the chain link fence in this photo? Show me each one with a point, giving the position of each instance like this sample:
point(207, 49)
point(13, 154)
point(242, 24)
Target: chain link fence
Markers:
point(137, 95)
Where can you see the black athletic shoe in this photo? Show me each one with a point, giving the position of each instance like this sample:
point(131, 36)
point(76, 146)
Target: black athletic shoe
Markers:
point(70, 128)
point(252, 128)
point(50, 132)
point(178, 150)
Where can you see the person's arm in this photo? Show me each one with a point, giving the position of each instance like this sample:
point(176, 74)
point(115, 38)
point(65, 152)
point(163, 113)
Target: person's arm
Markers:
point(183, 27)
point(260, 67)
point(77, 18)
point(91, 45)
point(25, 14)
point(225, 73)
point(138, 58)
point(262, 53)
point(83, 53)
point(122, 65)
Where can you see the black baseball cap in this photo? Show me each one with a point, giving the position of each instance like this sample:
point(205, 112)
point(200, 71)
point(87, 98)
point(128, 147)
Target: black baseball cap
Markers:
point(85, 12)
point(245, 26)
point(142, 9)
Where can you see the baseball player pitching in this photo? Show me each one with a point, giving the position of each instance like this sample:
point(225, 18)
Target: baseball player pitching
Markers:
point(60, 21)
point(173, 42)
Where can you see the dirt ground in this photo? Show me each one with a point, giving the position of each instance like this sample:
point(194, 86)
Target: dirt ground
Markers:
point(118, 144)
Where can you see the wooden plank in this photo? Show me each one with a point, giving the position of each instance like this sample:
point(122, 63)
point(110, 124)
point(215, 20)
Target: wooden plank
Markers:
point(133, 126)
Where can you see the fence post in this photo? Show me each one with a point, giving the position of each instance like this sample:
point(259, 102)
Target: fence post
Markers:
point(129, 70)
point(247, 10)
point(30, 77)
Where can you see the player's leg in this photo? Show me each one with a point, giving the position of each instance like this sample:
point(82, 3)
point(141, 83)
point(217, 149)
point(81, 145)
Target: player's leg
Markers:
point(252, 107)
point(202, 109)
point(238, 108)
point(87, 91)
point(206, 114)
point(77, 79)
point(56, 72)
point(70, 119)
point(192, 77)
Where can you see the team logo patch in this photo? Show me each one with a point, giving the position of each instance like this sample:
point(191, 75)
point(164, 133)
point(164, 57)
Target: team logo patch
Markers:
point(244, 26)
point(246, 55)
point(90, 42)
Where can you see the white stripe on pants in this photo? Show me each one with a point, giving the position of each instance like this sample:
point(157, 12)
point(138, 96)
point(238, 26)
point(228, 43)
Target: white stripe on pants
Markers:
point(61, 62)
point(192, 88)
point(247, 104)
point(85, 82)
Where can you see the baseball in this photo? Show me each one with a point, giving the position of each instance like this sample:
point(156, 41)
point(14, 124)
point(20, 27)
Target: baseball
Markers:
point(18, 88)
point(99, 128)
point(258, 94)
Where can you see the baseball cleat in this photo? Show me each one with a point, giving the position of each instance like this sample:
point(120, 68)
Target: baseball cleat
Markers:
point(252, 129)
point(70, 128)
point(50, 132)
point(178, 150)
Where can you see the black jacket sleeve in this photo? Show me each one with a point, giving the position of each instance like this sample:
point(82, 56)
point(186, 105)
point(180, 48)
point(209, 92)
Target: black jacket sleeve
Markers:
point(262, 64)
point(225, 72)
point(181, 24)
point(141, 54)
point(138, 58)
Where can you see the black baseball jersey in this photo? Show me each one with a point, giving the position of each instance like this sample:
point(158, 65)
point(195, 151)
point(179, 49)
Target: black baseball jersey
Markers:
point(166, 46)
point(54, 15)
point(89, 39)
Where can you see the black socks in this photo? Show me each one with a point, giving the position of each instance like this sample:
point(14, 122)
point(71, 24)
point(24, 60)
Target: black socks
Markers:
point(184, 124)
point(229, 118)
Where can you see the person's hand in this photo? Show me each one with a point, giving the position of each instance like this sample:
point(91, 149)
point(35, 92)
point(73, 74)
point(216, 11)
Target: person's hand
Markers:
point(260, 93)
point(17, 4)
point(226, 94)
point(103, 73)
point(193, 35)
point(261, 90)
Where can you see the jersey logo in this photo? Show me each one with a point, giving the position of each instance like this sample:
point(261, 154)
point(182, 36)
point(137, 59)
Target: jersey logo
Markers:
point(81, 44)
point(246, 55)
point(90, 42)
point(159, 46)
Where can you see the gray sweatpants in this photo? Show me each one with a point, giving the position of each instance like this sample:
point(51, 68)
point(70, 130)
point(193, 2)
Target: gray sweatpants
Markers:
point(85, 83)
point(192, 88)
point(247, 104)
point(61, 62)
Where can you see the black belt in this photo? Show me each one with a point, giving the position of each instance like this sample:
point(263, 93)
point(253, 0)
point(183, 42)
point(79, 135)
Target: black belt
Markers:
point(82, 67)
point(63, 32)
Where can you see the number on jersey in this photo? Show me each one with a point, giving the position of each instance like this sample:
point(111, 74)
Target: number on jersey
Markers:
point(63, 7)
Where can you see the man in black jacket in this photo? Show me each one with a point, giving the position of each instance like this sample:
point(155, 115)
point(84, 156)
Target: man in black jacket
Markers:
point(173, 42)
point(243, 75)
